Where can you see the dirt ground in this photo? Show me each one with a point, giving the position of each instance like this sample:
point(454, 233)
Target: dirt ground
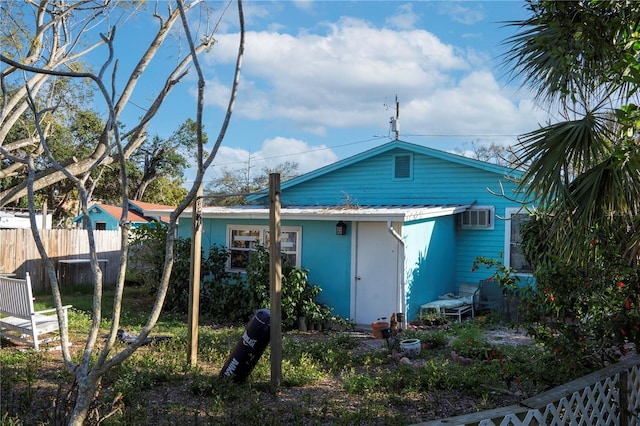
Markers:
point(329, 391)
point(507, 336)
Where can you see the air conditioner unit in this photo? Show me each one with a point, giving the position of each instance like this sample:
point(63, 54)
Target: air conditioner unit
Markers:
point(478, 218)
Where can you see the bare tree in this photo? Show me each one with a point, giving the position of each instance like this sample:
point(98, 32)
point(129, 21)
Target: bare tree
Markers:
point(239, 182)
point(494, 153)
point(55, 23)
point(58, 45)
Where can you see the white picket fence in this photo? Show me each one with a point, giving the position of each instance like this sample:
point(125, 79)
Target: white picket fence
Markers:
point(610, 396)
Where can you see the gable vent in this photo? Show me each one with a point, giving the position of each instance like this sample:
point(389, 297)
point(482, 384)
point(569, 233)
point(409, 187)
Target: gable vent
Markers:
point(477, 218)
point(402, 166)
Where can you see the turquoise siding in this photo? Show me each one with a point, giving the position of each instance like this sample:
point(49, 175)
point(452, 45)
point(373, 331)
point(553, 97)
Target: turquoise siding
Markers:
point(435, 181)
point(184, 229)
point(430, 248)
point(111, 223)
point(97, 214)
point(325, 255)
point(439, 254)
point(370, 182)
point(474, 242)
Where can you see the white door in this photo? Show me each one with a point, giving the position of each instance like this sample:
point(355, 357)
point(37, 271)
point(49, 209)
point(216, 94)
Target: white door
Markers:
point(375, 285)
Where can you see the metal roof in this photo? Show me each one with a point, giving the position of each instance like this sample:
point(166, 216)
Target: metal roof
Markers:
point(396, 213)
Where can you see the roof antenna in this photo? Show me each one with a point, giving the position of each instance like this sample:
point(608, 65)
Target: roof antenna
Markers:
point(395, 121)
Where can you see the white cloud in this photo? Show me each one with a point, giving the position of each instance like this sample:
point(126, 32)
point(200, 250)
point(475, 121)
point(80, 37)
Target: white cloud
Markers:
point(477, 105)
point(405, 18)
point(462, 12)
point(340, 78)
point(333, 79)
point(303, 4)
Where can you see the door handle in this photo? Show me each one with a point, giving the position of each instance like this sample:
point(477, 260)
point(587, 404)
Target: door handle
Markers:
point(358, 278)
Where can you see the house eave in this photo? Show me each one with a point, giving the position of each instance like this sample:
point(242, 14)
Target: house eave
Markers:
point(320, 213)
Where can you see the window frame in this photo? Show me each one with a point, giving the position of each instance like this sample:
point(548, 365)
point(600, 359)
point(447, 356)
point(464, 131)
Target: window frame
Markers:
point(262, 239)
point(510, 212)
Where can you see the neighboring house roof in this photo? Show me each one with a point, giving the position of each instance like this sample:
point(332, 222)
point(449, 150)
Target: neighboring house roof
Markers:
point(116, 213)
point(143, 207)
point(402, 213)
point(19, 218)
point(396, 144)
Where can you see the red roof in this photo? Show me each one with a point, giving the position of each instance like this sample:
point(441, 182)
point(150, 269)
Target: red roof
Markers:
point(151, 206)
point(116, 212)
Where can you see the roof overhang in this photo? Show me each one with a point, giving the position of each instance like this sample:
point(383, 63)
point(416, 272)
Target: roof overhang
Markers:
point(355, 213)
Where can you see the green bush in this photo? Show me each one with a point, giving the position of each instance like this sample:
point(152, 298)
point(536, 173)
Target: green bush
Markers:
point(146, 254)
point(146, 263)
point(298, 295)
point(584, 311)
point(225, 297)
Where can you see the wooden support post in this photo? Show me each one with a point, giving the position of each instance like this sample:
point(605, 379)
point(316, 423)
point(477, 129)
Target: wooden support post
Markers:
point(44, 278)
point(275, 280)
point(624, 398)
point(194, 282)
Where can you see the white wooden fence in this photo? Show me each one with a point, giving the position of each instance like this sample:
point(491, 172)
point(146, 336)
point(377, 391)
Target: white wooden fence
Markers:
point(19, 254)
point(610, 396)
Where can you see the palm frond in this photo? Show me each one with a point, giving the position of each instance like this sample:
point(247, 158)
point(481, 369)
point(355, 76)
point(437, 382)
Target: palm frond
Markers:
point(557, 152)
point(568, 49)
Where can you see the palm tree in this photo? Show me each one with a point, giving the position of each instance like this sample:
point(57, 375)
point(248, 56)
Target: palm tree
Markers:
point(583, 170)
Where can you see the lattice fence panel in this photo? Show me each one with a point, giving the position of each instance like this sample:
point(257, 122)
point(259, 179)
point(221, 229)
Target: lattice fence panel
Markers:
point(529, 418)
point(597, 404)
point(633, 403)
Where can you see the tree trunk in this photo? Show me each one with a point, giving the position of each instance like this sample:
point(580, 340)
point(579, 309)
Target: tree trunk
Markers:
point(89, 370)
point(86, 393)
point(142, 188)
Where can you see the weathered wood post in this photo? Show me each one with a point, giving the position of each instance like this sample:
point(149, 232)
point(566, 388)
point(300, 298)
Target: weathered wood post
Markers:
point(275, 280)
point(194, 282)
point(624, 397)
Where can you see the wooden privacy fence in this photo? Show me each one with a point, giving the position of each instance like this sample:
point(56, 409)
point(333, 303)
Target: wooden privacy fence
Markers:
point(610, 396)
point(19, 255)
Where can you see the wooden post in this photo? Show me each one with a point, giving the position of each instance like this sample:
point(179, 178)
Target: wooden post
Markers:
point(44, 279)
point(275, 280)
point(194, 282)
point(44, 213)
point(624, 398)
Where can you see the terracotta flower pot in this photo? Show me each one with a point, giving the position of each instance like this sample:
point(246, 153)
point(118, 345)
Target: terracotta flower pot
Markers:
point(377, 327)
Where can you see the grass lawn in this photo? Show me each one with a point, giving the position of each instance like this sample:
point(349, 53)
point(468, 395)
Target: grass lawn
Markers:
point(329, 377)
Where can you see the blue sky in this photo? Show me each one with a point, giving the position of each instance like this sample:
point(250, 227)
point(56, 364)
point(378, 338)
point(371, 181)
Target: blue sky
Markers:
point(320, 78)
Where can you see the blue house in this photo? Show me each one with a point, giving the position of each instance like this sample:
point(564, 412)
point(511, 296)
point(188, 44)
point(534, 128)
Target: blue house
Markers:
point(383, 231)
point(107, 217)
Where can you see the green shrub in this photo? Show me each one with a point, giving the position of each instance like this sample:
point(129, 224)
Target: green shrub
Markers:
point(360, 383)
point(146, 254)
point(300, 371)
point(581, 310)
point(435, 339)
point(225, 297)
point(298, 295)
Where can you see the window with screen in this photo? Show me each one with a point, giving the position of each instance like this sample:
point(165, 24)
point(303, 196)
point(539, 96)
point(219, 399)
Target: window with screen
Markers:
point(514, 257)
point(242, 242)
